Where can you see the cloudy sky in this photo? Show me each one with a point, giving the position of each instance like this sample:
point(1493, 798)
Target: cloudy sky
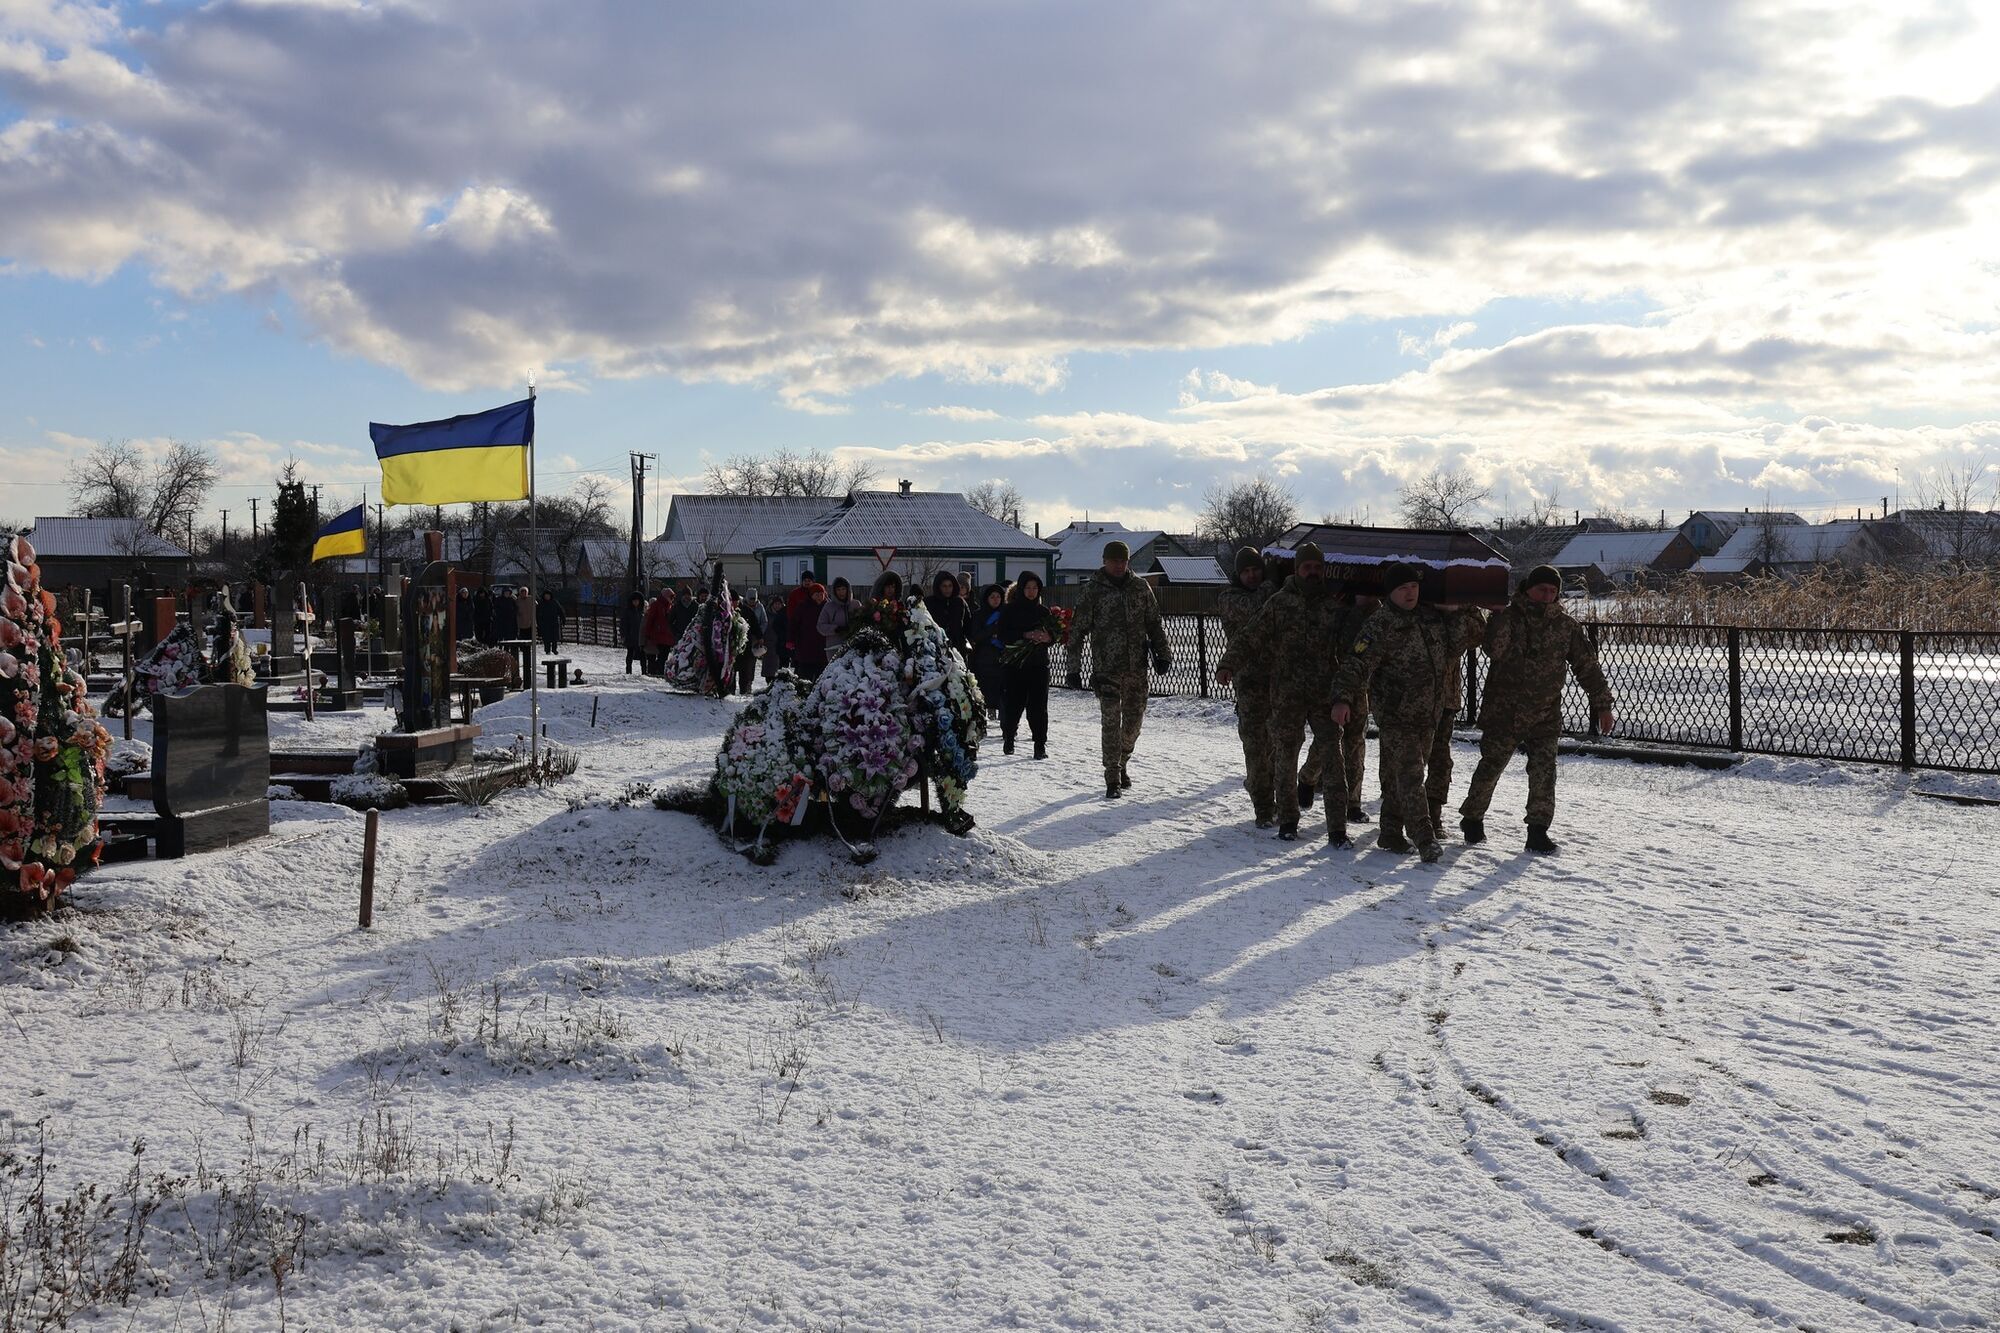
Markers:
point(1641, 256)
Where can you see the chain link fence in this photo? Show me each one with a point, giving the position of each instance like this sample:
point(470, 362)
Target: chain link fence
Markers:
point(1921, 700)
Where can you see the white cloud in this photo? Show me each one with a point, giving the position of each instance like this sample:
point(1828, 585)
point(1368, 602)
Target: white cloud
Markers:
point(955, 413)
point(1801, 192)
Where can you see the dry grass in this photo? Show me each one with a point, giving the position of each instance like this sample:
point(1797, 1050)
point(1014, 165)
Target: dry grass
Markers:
point(1879, 599)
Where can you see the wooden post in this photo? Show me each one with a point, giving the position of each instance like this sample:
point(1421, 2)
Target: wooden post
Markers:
point(368, 869)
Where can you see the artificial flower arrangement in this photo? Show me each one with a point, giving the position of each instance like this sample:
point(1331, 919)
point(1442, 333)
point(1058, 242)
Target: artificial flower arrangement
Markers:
point(946, 699)
point(173, 664)
point(51, 748)
point(764, 767)
point(705, 658)
point(894, 701)
point(1055, 624)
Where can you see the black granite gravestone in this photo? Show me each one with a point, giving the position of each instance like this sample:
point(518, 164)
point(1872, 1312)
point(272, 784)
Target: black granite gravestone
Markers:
point(211, 768)
point(346, 691)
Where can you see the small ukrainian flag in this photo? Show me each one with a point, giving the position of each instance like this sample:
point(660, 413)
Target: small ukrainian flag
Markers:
point(479, 456)
point(341, 536)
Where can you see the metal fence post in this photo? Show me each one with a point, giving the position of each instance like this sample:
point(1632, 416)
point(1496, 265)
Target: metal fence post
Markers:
point(1909, 692)
point(1735, 688)
point(1201, 651)
point(1590, 628)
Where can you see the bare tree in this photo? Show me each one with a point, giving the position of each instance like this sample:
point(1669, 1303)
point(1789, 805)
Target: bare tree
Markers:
point(1441, 498)
point(1251, 513)
point(1953, 523)
point(117, 479)
point(787, 472)
point(997, 499)
point(564, 523)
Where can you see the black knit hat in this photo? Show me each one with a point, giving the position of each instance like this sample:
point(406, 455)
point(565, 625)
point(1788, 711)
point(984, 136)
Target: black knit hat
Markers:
point(1308, 551)
point(1396, 574)
point(1541, 574)
point(1248, 558)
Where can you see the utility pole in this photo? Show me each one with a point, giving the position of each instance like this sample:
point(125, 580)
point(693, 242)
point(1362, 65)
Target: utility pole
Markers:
point(225, 529)
point(315, 490)
point(253, 520)
point(635, 574)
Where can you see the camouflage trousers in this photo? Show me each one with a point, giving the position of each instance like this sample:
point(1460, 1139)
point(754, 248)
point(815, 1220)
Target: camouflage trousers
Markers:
point(1437, 772)
point(1121, 711)
point(1353, 753)
point(1288, 730)
point(1405, 803)
point(1253, 728)
point(1496, 750)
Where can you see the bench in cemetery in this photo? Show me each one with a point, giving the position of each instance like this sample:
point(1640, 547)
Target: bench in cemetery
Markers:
point(557, 667)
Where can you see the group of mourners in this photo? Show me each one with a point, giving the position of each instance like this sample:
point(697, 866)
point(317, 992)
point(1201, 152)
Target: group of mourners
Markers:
point(1003, 637)
point(1319, 655)
point(1316, 656)
point(497, 616)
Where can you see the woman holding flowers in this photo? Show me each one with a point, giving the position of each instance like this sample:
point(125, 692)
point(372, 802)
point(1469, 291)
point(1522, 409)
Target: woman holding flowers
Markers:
point(1028, 629)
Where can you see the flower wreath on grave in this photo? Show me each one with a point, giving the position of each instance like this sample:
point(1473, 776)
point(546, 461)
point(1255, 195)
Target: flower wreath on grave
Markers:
point(51, 748)
point(173, 664)
point(945, 697)
point(763, 770)
point(705, 657)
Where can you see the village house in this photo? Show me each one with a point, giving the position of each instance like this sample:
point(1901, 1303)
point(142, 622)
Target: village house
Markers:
point(915, 533)
point(732, 529)
point(1080, 548)
point(96, 553)
point(1626, 558)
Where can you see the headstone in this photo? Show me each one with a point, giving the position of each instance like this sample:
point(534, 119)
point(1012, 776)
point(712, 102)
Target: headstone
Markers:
point(260, 606)
point(282, 628)
point(166, 611)
point(211, 768)
point(346, 693)
point(392, 623)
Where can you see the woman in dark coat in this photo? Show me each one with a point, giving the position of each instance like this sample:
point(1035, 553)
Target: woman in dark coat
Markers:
point(751, 607)
point(631, 624)
point(1027, 678)
point(987, 645)
point(888, 584)
point(482, 616)
point(776, 629)
point(504, 626)
point(548, 622)
point(463, 624)
point(947, 606)
point(808, 646)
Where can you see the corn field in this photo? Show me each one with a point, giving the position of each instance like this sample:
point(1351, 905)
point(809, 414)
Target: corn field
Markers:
point(1827, 598)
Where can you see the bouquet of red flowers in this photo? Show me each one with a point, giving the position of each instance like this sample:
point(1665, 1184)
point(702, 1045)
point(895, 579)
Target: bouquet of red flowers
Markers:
point(885, 615)
point(1055, 624)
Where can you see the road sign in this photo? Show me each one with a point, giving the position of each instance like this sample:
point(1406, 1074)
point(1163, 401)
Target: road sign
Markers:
point(885, 554)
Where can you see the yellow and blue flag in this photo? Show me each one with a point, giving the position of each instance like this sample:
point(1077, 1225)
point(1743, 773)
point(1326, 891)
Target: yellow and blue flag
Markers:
point(341, 536)
point(479, 456)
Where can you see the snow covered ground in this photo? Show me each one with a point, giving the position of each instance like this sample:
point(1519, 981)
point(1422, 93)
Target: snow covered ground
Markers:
point(1728, 1062)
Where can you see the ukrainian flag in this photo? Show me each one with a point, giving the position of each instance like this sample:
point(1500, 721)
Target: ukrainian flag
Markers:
point(480, 456)
point(341, 536)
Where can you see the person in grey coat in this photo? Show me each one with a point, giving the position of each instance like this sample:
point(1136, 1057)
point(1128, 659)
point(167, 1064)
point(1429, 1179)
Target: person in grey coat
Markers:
point(834, 612)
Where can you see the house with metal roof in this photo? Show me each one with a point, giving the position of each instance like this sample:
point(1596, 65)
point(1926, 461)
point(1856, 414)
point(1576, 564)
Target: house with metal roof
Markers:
point(733, 528)
point(1080, 548)
point(1708, 529)
point(96, 552)
point(915, 533)
point(1791, 550)
point(1629, 557)
point(600, 574)
point(1955, 538)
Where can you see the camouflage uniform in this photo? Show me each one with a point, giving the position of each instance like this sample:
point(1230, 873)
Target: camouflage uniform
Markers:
point(1251, 684)
point(1295, 634)
point(1437, 781)
point(1530, 646)
point(1353, 736)
point(1120, 619)
point(1402, 659)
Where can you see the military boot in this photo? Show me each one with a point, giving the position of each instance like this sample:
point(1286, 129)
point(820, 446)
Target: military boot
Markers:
point(1125, 775)
point(1392, 840)
point(1041, 749)
point(1430, 852)
point(1356, 815)
point(1112, 791)
point(1474, 829)
point(1288, 832)
point(1264, 819)
point(1305, 795)
point(1006, 745)
point(1337, 836)
point(1538, 838)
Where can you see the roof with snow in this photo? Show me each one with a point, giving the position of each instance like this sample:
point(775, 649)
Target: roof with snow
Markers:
point(1192, 569)
point(912, 522)
point(1732, 519)
point(1793, 544)
point(100, 538)
point(740, 525)
point(1715, 564)
point(1616, 552)
point(1081, 545)
point(659, 558)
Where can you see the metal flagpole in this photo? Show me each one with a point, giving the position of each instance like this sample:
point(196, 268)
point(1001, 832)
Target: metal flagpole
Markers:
point(366, 637)
point(534, 605)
